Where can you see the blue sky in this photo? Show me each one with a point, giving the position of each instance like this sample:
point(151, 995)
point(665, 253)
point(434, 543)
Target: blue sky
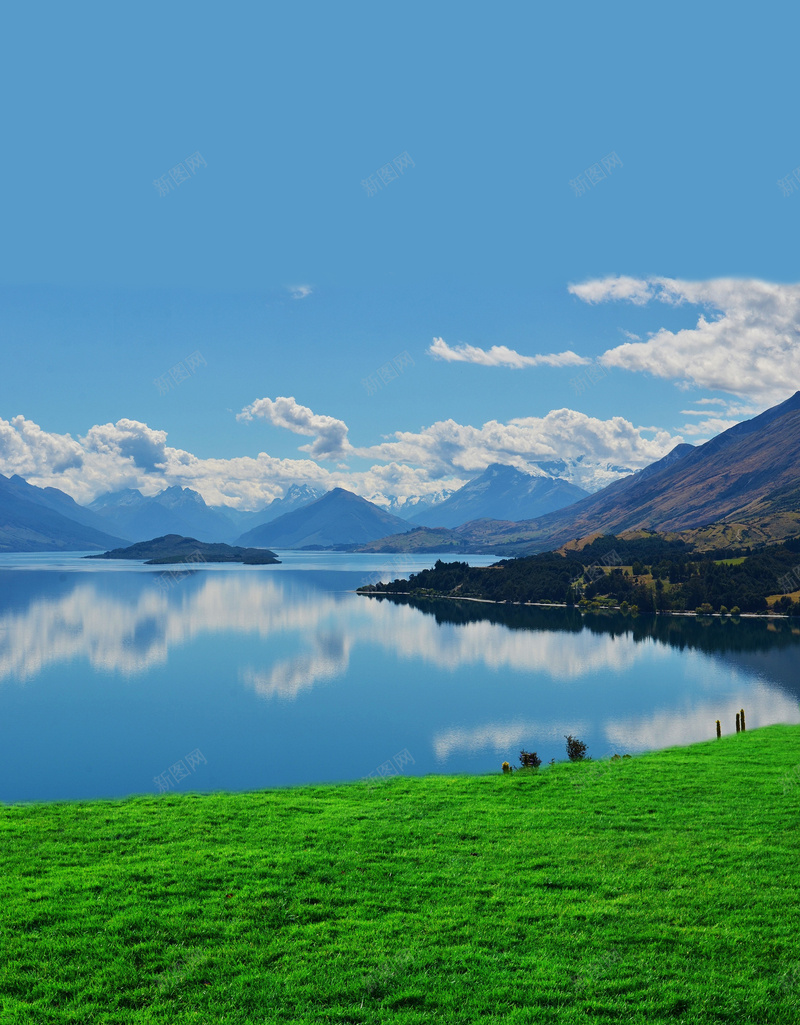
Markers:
point(273, 267)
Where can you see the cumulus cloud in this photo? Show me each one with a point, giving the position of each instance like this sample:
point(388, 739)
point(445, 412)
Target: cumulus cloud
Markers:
point(380, 482)
point(589, 443)
point(330, 434)
point(131, 441)
point(130, 454)
point(28, 450)
point(242, 482)
point(442, 456)
point(108, 457)
point(299, 291)
point(745, 341)
point(501, 356)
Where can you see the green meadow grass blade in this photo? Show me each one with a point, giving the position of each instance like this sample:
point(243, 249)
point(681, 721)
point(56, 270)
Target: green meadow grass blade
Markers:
point(661, 888)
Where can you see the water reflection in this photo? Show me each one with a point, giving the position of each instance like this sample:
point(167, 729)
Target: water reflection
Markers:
point(251, 665)
point(127, 623)
point(726, 663)
point(287, 678)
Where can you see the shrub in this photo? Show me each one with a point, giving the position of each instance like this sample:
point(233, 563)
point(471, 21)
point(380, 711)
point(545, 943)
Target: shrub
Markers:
point(735, 610)
point(723, 610)
point(705, 609)
point(506, 767)
point(576, 749)
point(529, 759)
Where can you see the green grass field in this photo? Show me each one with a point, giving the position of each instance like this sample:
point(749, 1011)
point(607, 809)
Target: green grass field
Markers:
point(661, 888)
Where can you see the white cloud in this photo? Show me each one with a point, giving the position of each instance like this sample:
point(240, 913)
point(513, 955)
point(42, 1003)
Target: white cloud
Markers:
point(501, 356)
point(380, 483)
point(330, 434)
point(299, 291)
point(26, 449)
point(632, 289)
point(130, 454)
point(443, 455)
point(707, 428)
point(590, 443)
point(130, 441)
point(750, 346)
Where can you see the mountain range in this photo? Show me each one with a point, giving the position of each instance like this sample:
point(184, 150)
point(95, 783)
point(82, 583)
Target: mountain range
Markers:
point(501, 492)
point(175, 510)
point(183, 511)
point(47, 520)
point(742, 486)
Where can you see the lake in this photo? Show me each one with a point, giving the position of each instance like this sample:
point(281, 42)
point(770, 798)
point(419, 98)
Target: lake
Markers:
point(118, 678)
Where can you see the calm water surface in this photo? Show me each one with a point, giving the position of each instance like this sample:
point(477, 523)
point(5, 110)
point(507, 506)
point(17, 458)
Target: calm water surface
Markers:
point(118, 678)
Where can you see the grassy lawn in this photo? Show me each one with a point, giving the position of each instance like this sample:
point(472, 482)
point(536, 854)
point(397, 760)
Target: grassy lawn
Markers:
point(773, 598)
point(661, 888)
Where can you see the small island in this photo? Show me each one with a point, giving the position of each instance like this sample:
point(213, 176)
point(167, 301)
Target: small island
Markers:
point(173, 548)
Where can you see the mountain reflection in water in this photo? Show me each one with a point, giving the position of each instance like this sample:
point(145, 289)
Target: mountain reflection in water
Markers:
point(108, 677)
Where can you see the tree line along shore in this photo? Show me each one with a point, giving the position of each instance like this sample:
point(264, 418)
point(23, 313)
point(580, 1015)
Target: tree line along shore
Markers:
point(645, 575)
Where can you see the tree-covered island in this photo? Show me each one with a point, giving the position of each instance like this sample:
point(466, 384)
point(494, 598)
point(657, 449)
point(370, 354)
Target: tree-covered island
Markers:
point(173, 548)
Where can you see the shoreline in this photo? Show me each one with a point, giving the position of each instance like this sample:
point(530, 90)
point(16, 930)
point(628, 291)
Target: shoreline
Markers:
point(563, 605)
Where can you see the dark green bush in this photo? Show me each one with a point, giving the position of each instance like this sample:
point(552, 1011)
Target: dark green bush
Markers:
point(576, 749)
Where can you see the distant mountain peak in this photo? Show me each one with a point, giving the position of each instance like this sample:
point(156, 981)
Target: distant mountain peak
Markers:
point(175, 510)
point(177, 495)
point(509, 470)
point(750, 470)
point(339, 517)
point(502, 492)
point(301, 489)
